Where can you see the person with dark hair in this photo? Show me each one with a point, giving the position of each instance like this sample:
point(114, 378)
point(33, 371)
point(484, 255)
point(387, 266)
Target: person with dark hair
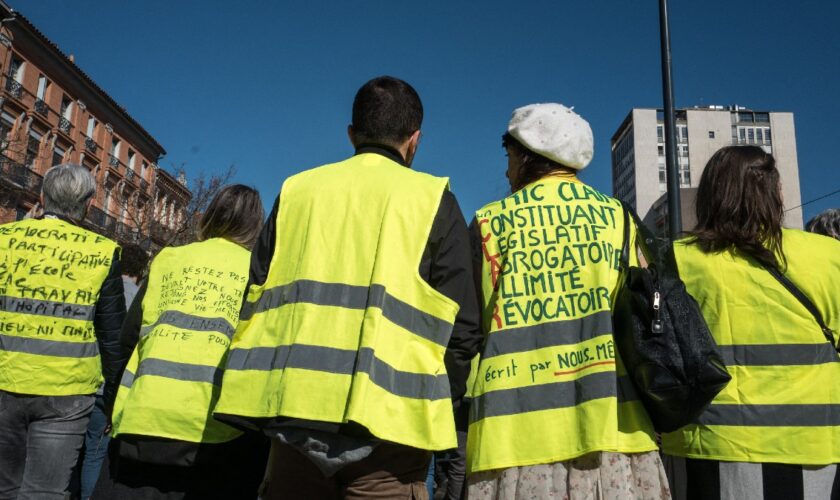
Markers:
point(773, 431)
point(355, 338)
point(553, 413)
point(165, 442)
point(826, 223)
point(61, 309)
point(134, 261)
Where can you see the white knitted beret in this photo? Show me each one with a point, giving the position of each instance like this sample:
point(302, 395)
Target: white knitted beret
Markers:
point(554, 131)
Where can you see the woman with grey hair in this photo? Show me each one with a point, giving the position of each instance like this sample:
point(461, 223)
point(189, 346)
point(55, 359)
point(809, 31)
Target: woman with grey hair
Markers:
point(63, 293)
point(826, 223)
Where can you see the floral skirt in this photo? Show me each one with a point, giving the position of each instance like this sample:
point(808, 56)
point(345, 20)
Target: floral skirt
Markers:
point(599, 475)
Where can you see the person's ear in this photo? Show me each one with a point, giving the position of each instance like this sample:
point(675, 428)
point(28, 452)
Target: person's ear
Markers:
point(415, 138)
point(351, 135)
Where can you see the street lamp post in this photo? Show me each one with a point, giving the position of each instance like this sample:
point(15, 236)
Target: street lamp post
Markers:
point(671, 174)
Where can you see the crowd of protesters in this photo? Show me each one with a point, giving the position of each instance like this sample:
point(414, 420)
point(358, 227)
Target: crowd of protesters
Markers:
point(366, 342)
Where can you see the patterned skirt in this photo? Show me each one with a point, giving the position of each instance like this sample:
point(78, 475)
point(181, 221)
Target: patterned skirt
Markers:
point(599, 475)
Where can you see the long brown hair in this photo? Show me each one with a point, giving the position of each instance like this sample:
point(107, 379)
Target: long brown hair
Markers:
point(534, 166)
point(235, 214)
point(739, 205)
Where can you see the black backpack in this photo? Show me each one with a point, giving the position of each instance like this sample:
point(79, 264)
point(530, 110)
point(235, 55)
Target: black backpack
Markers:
point(662, 338)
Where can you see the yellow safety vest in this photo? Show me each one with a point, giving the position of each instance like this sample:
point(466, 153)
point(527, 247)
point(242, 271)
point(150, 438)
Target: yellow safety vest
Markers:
point(344, 328)
point(783, 402)
point(190, 311)
point(549, 385)
point(51, 273)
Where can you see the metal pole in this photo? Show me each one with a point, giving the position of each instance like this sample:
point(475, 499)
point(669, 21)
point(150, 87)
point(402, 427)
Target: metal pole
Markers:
point(672, 176)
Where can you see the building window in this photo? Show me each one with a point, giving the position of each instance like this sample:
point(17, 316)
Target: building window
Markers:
point(115, 147)
point(32, 147)
point(6, 122)
point(762, 117)
point(143, 167)
point(131, 157)
point(14, 82)
point(65, 114)
point(685, 176)
point(660, 132)
point(767, 135)
point(750, 135)
point(660, 150)
point(742, 135)
point(43, 84)
point(66, 107)
point(58, 155)
point(711, 134)
point(682, 133)
point(759, 135)
point(16, 69)
point(91, 127)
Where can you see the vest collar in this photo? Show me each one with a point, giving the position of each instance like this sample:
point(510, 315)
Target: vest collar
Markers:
point(53, 215)
point(383, 150)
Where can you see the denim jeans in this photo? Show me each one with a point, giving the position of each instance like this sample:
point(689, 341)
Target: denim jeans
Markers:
point(96, 447)
point(40, 439)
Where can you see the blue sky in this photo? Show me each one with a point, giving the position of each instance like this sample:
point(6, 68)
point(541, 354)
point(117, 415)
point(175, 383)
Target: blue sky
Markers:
point(268, 86)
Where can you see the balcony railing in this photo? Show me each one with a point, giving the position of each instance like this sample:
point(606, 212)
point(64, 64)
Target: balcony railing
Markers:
point(129, 174)
point(144, 184)
point(14, 87)
point(41, 107)
point(20, 177)
point(104, 222)
point(114, 161)
point(64, 125)
point(91, 145)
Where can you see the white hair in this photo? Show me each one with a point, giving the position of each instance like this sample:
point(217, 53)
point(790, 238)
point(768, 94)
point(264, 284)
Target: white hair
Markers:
point(67, 189)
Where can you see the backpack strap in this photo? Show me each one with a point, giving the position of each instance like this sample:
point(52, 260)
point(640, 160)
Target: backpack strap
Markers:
point(803, 299)
point(651, 248)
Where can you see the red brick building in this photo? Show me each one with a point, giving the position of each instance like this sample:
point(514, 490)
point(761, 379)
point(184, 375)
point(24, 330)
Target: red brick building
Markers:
point(52, 112)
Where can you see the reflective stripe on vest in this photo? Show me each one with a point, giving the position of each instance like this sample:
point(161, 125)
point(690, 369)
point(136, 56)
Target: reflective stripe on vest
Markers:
point(549, 273)
point(353, 297)
point(344, 329)
point(190, 310)
point(342, 362)
point(51, 274)
point(175, 371)
point(783, 403)
point(186, 321)
point(43, 347)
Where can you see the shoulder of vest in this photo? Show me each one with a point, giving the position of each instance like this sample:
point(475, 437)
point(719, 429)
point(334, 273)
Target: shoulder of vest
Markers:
point(489, 208)
point(199, 246)
point(399, 170)
point(797, 241)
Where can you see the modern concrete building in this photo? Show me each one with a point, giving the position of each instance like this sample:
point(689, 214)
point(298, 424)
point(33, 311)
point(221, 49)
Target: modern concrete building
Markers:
point(52, 112)
point(638, 156)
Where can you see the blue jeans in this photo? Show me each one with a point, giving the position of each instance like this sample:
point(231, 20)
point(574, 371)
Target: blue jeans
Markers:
point(40, 439)
point(430, 478)
point(96, 447)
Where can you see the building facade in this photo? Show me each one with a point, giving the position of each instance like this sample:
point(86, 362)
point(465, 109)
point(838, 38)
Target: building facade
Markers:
point(51, 112)
point(638, 156)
